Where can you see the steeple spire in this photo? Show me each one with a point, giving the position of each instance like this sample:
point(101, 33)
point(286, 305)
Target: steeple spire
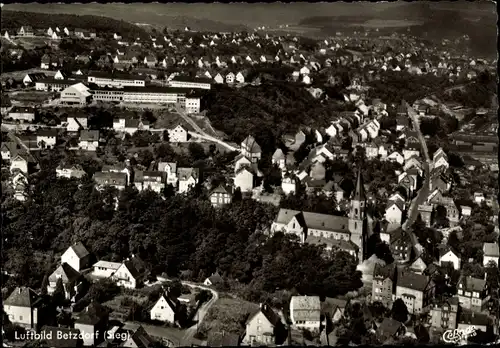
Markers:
point(359, 193)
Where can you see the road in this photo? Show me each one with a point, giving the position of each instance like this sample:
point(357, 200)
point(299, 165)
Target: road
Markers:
point(424, 191)
point(200, 133)
point(188, 338)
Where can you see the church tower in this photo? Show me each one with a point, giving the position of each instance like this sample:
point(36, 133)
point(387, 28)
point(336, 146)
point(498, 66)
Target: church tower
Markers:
point(357, 217)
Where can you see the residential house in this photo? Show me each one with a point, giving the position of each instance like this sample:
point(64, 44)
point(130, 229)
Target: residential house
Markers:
point(105, 269)
point(288, 184)
point(250, 149)
point(218, 78)
point(264, 327)
point(333, 309)
point(20, 162)
point(383, 284)
point(394, 212)
point(92, 323)
point(18, 113)
point(214, 279)
point(418, 265)
point(491, 253)
point(440, 159)
point(449, 255)
point(77, 256)
point(60, 75)
point(69, 277)
point(10, 149)
point(112, 179)
point(220, 196)
point(241, 76)
point(178, 135)
point(76, 123)
point(244, 179)
point(170, 171)
point(230, 77)
point(187, 178)
point(473, 293)
point(416, 291)
point(31, 79)
point(400, 245)
point(23, 307)
point(89, 140)
point(165, 309)
point(46, 138)
point(150, 61)
point(149, 181)
point(305, 312)
point(139, 339)
point(279, 158)
point(444, 315)
point(131, 273)
point(389, 329)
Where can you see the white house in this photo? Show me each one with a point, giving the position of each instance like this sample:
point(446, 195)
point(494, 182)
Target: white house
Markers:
point(89, 140)
point(75, 171)
point(46, 138)
point(288, 185)
point(187, 178)
point(178, 135)
point(394, 212)
point(164, 309)
point(74, 124)
point(305, 312)
point(77, 256)
point(230, 77)
point(19, 162)
point(105, 269)
point(218, 78)
point(396, 157)
point(244, 179)
point(448, 255)
point(279, 158)
point(305, 71)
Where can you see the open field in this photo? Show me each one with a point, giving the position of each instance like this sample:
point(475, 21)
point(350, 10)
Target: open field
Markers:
point(229, 315)
point(31, 96)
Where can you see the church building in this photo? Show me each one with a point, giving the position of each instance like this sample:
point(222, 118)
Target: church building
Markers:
point(336, 232)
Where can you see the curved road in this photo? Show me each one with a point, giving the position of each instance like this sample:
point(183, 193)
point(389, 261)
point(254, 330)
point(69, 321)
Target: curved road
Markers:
point(200, 315)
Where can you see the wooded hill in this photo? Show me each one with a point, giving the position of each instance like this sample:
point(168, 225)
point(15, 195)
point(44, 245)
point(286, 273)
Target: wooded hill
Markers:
point(13, 20)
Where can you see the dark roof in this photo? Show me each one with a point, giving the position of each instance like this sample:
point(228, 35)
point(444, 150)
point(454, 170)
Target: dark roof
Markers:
point(223, 339)
point(22, 109)
point(412, 280)
point(46, 132)
point(22, 297)
point(221, 189)
point(268, 312)
point(190, 79)
point(388, 328)
point(471, 318)
point(473, 284)
point(67, 340)
point(384, 272)
point(89, 135)
point(141, 338)
point(65, 272)
point(80, 250)
point(136, 266)
point(92, 314)
point(215, 278)
point(359, 193)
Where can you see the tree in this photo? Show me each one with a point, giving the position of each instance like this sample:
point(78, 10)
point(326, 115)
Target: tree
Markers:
point(399, 311)
point(196, 151)
point(45, 283)
point(59, 294)
point(422, 334)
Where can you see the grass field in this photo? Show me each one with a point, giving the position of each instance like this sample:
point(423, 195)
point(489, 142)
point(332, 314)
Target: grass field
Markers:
point(169, 120)
point(31, 96)
point(228, 315)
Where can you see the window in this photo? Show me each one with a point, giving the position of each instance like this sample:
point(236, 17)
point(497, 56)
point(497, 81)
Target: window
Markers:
point(20, 317)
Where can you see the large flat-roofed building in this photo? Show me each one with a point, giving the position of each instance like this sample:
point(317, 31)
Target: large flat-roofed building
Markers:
point(51, 84)
point(118, 80)
point(149, 95)
point(187, 82)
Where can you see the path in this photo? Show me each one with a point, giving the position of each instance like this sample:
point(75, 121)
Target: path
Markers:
point(188, 338)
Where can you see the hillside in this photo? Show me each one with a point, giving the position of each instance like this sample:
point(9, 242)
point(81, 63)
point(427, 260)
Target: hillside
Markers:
point(13, 20)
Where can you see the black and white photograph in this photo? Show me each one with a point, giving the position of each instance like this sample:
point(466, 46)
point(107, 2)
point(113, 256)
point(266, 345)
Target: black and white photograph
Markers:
point(265, 174)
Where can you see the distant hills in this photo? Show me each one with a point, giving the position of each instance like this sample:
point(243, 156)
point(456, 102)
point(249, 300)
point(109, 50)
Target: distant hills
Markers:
point(13, 20)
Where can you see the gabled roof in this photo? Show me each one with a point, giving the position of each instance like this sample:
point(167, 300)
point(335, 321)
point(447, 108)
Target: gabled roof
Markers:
point(491, 249)
point(92, 314)
point(388, 328)
point(473, 284)
point(221, 189)
point(186, 173)
point(22, 297)
point(141, 338)
point(89, 135)
point(306, 308)
point(314, 220)
point(412, 280)
point(251, 145)
point(79, 250)
point(383, 272)
point(268, 312)
point(66, 273)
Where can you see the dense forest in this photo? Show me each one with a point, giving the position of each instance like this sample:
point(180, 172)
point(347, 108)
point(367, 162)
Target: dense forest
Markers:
point(267, 111)
point(13, 20)
point(164, 233)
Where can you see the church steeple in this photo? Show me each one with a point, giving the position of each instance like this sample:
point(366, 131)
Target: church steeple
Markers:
point(359, 192)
